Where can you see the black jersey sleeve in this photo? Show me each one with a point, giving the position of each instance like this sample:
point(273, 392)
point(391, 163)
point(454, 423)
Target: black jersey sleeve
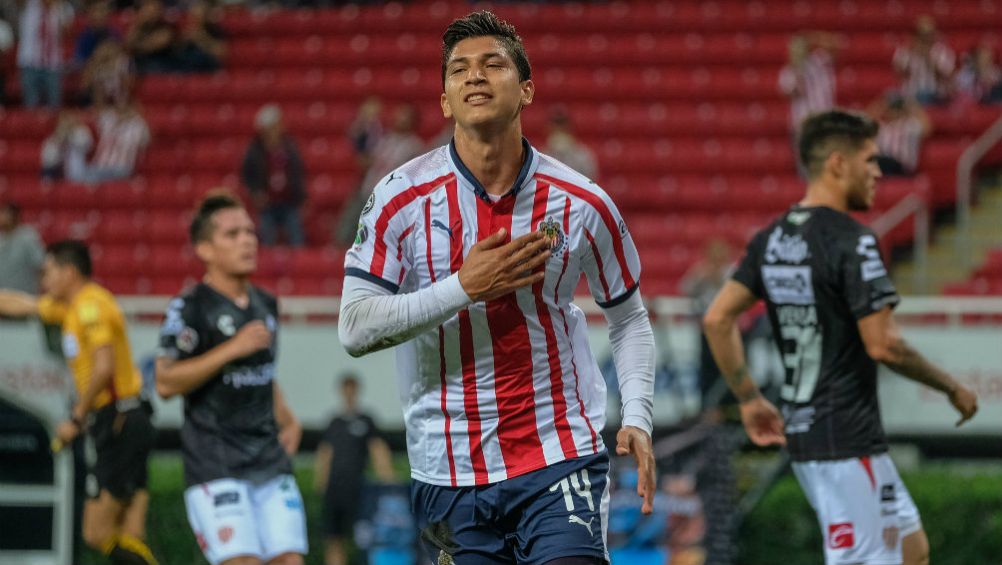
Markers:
point(749, 271)
point(180, 333)
point(866, 286)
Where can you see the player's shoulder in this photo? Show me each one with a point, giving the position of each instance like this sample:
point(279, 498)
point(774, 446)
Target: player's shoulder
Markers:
point(94, 299)
point(419, 171)
point(564, 177)
point(191, 299)
point(265, 297)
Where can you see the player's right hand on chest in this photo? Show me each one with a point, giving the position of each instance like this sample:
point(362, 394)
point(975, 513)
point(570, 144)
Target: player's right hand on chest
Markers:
point(252, 337)
point(494, 268)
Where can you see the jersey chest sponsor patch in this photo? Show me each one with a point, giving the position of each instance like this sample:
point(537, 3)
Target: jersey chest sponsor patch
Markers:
point(788, 285)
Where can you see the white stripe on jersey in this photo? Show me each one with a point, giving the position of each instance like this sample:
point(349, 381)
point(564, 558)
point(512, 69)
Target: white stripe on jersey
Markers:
point(522, 388)
point(920, 72)
point(811, 87)
point(901, 139)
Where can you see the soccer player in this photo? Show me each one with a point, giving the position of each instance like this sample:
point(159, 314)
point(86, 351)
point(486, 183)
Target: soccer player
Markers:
point(108, 405)
point(218, 347)
point(345, 449)
point(830, 303)
point(467, 259)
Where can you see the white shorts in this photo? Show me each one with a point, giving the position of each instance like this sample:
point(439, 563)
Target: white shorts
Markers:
point(233, 518)
point(863, 508)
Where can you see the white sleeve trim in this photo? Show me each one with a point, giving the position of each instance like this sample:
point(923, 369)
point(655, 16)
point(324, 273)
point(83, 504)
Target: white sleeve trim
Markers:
point(373, 318)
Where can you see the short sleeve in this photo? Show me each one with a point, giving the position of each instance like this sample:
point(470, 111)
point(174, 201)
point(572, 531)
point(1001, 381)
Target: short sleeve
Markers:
point(867, 288)
point(749, 271)
point(51, 311)
point(179, 333)
point(371, 431)
point(379, 254)
point(96, 322)
point(610, 262)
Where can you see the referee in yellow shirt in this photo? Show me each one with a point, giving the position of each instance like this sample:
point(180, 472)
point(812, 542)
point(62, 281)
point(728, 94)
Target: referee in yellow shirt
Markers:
point(108, 405)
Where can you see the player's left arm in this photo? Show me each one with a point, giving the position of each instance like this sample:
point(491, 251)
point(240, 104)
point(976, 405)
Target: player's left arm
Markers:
point(885, 344)
point(290, 431)
point(382, 459)
point(98, 330)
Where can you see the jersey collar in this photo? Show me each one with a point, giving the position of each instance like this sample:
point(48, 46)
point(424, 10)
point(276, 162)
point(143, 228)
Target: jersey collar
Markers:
point(524, 175)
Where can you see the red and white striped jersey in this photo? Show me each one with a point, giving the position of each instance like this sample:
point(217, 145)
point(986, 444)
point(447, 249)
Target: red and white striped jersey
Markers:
point(507, 386)
point(811, 87)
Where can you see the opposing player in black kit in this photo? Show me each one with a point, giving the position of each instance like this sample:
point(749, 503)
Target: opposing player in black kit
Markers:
point(830, 301)
point(218, 350)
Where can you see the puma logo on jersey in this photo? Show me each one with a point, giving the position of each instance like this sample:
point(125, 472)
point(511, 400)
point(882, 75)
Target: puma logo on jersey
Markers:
point(574, 519)
point(438, 224)
point(393, 177)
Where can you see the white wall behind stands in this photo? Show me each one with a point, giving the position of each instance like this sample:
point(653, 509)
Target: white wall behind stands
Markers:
point(310, 360)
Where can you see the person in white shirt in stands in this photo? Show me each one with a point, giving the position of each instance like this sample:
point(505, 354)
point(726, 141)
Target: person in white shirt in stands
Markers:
point(122, 137)
point(926, 65)
point(903, 127)
point(43, 26)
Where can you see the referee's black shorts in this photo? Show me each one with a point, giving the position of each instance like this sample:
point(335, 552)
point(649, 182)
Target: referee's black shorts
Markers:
point(123, 438)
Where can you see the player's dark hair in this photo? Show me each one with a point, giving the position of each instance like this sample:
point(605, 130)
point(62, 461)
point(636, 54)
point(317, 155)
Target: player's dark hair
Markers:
point(485, 24)
point(73, 253)
point(825, 132)
point(201, 223)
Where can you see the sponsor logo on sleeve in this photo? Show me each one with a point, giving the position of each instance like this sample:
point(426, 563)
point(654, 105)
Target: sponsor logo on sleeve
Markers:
point(887, 493)
point(785, 248)
point(369, 204)
point(891, 536)
point(841, 536)
point(187, 340)
point(226, 498)
point(361, 235)
point(225, 534)
point(788, 285)
point(70, 346)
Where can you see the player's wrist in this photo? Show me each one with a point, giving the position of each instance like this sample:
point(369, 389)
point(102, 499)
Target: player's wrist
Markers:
point(748, 395)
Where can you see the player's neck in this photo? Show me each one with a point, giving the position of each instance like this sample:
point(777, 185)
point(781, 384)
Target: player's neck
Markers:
point(822, 193)
point(232, 287)
point(494, 158)
point(75, 289)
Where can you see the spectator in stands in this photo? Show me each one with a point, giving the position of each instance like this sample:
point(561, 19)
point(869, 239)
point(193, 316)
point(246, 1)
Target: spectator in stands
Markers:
point(64, 152)
point(96, 31)
point(203, 41)
point(394, 148)
point(351, 440)
point(6, 44)
point(42, 29)
point(122, 138)
point(903, 126)
point(21, 251)
point(565, 147)
point(108, 77)
point(365, 131)
point(979, 78)
point(926, 65)
point(152, 39)
point(808, 79)
point(274, 174)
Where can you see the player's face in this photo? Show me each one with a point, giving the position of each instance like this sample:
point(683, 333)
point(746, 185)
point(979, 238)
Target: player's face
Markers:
point(233, 246)
point(863, 174)
point(56, 278)
point(482, 86)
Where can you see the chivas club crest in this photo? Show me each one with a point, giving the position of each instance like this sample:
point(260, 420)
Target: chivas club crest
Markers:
point(444, 558)
point(554, 232)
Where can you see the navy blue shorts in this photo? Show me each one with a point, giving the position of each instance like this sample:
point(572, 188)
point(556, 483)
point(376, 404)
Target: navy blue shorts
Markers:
point(557, 511)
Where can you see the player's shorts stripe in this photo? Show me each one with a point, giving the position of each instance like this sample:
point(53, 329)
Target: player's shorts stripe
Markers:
point(355, 272)
point(447, 424)
point(868, 467)
point(514, 393)
point(400, 251)
point(561, 424)
point(598, 263)
point(608, 219)
point(391, 209)
point(467, 354)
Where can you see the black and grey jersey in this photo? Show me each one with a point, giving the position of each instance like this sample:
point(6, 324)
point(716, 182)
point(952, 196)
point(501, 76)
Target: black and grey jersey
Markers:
point(229, 428)
point(819, 272)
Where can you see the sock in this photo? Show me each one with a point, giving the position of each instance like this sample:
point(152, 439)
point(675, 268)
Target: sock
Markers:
point(124, 549)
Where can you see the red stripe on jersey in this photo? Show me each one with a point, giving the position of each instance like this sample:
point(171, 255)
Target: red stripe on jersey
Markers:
point(552, 350)
point(599, 205)
point(521, 447)
point(441, 348)
point(598, 263)
point(567, 333)
point(400, 247)
point(396, 204)
point(466, 352)
point(865, 461)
